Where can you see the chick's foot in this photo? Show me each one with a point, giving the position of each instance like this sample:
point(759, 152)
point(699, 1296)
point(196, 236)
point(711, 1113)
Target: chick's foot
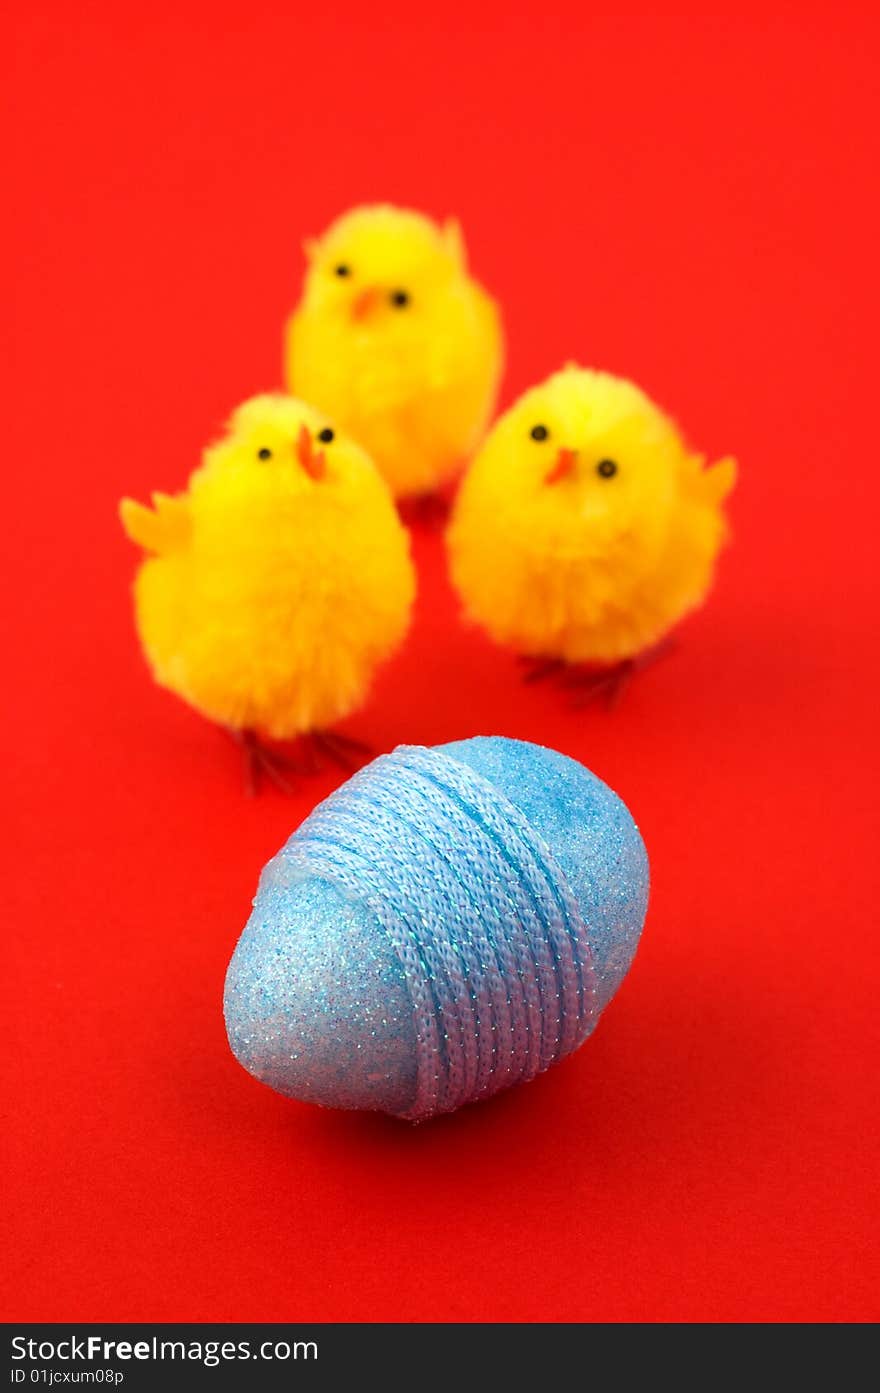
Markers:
point(608, 684)
point(539, 669)
point(262, 761)
point(308, 754)
point(342, 750)
point(589, 683)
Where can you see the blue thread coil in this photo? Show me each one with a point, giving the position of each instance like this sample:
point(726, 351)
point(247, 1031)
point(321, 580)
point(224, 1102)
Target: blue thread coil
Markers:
point(451, 950)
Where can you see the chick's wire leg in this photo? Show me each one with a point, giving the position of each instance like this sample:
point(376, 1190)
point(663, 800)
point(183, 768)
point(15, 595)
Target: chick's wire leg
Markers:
point(537, 669)
point(590, 684)
point(260, 761)
point(349, 754)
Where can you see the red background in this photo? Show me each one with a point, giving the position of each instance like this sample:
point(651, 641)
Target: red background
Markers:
point(680, 198)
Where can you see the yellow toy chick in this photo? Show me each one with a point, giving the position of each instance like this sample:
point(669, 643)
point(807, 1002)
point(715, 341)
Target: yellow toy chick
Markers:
point(396, 342)
point(585, 528)
point(274, 586)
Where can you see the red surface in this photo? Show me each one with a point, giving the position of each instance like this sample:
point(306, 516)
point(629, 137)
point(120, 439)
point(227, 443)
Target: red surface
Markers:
point(682, 199)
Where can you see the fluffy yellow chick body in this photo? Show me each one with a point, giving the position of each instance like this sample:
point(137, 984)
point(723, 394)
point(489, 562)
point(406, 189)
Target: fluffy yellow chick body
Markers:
point(395, 341)
point(585, 529)
point(278, 581)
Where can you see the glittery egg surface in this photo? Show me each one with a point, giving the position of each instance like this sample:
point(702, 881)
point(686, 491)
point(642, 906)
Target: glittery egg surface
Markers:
point(449, 922)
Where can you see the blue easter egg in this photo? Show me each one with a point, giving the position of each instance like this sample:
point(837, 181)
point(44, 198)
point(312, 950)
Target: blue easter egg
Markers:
point(449, 922)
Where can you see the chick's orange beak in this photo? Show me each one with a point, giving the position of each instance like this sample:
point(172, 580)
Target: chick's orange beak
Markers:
point(312, 462)
point(365, 302)
point(565, 462)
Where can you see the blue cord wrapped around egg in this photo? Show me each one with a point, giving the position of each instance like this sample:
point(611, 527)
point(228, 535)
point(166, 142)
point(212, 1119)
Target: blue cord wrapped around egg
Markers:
point(449, 922)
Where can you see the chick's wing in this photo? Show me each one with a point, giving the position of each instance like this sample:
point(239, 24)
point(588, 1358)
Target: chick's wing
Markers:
point(164, 528)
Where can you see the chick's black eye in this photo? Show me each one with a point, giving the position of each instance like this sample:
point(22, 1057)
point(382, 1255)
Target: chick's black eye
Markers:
point(606, 468)
point(264, 453)
point(400, 299)
point(539, 432)
point(326, 435)
point(342, 269)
